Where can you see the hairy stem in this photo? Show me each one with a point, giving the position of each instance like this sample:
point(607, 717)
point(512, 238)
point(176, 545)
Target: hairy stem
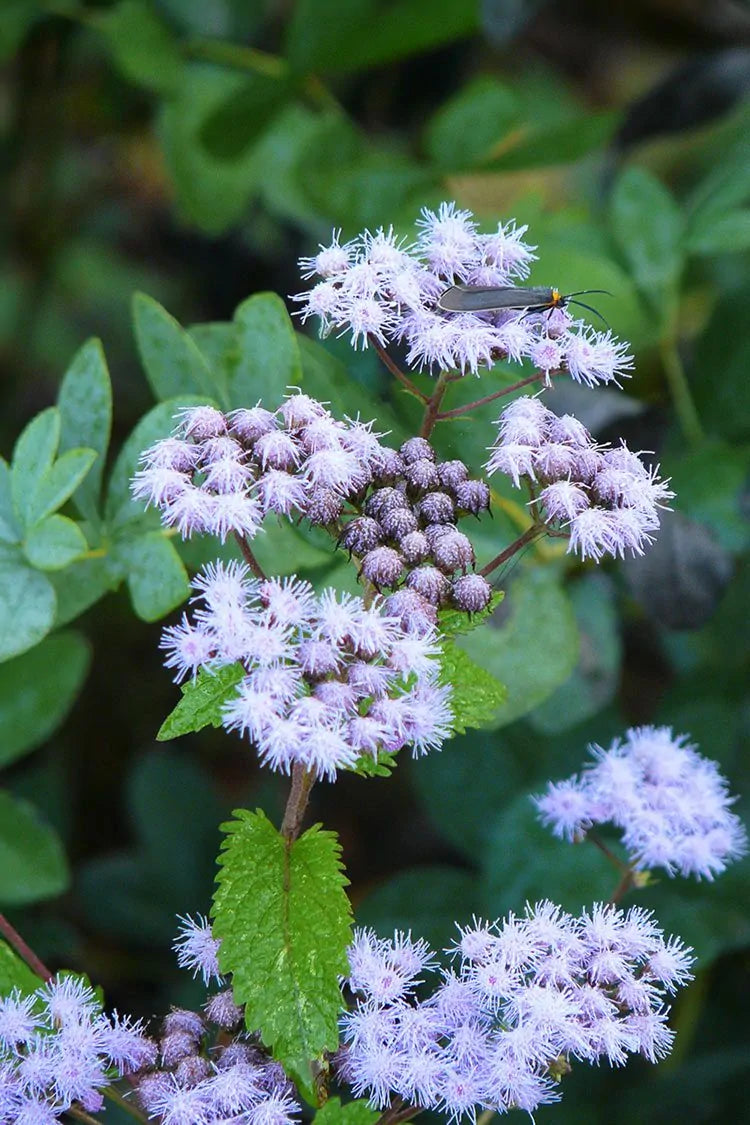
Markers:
point(14, 939)
point(249, 557)
point(396, 370)
point(509, 552)
point(299, 795)
point(432, 406)
point(458, 411)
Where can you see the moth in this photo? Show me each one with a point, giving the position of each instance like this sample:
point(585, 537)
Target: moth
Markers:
point(493, 298)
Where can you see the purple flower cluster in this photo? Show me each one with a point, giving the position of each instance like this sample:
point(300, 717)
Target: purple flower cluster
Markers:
point(605, 499)
point(378, 288)
point(410, 528)
point(327, 679)
point(530, 994)
point(206, 1070)
point(223, 473)
point(671, 803)
point(58, 1050)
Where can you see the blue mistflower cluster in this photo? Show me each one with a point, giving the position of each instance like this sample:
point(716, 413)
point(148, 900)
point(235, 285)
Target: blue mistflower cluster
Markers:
point(381, 290)
point(530, 994)
point(672, 804)
point(326, 680)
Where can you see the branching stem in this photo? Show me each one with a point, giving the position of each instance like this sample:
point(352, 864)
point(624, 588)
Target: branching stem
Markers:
point(458, 411)
point(14, 939)
point(509, 552)
point(432, 406)
point(397, 372)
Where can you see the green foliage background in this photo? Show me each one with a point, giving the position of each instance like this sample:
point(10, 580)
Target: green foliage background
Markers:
point(189, 153)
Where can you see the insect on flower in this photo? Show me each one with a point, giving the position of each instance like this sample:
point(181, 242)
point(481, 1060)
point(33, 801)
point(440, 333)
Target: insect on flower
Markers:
point(493, 298)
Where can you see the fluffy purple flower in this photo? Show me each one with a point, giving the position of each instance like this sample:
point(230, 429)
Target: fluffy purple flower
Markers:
point(197, 948)
point(671, 804)
point(531, 993)
point(605, 500)
point(377, 288)
point(316, 668)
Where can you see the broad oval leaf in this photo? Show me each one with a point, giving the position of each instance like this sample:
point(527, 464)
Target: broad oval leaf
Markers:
point(32, 861)
point(170, 357)
point(54, 543)
point(27, 607)
point(85, 405)
point(269, 357)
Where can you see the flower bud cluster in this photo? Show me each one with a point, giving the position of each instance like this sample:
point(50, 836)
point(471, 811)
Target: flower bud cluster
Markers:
point(530, 994)
point(605, 499)
point(58, 1051)
point(326, 679)
point(671, 803)
point(206, 1070)
point(223, 473)
point(377, 288)
point(406, 533)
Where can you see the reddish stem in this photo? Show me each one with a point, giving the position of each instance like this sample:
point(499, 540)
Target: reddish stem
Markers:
point(248, 556)
point(14, 939)
point(469, 406)
point(299, 795)
point(432, 407)
point(396, 370)
point(509, 552)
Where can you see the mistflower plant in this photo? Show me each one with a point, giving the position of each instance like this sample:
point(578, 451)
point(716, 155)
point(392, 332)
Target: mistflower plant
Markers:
point(384, 291)
point(671, 804)
point(529, 995)
point(318, 680)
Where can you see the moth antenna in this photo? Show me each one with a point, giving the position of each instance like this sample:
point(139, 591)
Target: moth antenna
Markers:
point(582, 292)
point(591, 310)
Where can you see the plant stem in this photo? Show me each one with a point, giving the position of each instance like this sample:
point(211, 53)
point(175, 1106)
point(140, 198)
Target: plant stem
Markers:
point(509, 552)
point(299, 795)
point(432, 406)
point(116, 1097)
point(249, 557)
point(622, 887)
point(613, 859)
point(14, 939)
point(682, 399)
point(399, 1111)
point(81, 1115)
point(396, 370)
point(469, 406)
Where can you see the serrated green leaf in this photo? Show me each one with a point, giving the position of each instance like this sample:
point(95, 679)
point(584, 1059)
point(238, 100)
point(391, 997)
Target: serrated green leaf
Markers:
point(156, 576)
point(33, 455)
point(32, 860)
point(37, 690)
point(367, 766)
point(284, 921)
point(649, 229)
point(454, 622)
point(269, 360)
point(15, 973)
point(535, 647)
point(476, 694)
point(59, 483)
point(27, 607)
point(351, 1113)
point(158, 423)
point(10, 529)
point(85, 405)
point(202, 701)
point(142, 45)
point(54, 543)
point(171, 359)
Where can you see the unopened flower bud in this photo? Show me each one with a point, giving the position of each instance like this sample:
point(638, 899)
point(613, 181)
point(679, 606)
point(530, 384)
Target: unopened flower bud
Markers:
point(398, 523)
point(361, 534)
point(416, 449)
point(222, 1010)
point(430, 583)
point(473, 496)
point(451, 474)
point(324, 506)
point(192, 1070)
point(435, 507)
point(453, 552)
point(471, 593)
point(385, 500)
point(382, 567)
point(415, 548)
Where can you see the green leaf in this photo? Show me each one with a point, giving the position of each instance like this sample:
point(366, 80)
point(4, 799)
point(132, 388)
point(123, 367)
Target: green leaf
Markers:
point(367, 766)
point(523, 861)
point(59, 483)
point(32, 861)
point(142, 46)
point(594, 681)
point(85, 405)
point(562, 142)
point(157, 424)
point(202, 701)
point(648, 228)
point(33, 456)
point(54, 543)
point(156, 575)
point(211, 193)
point(726, 187)
point(82, 584)
point(10, 531)
point(37, 691)
point(454, 622)
point(330, 36)
point(15, 973)
point(27, 607)
point(284, 922)
point(476, 694)
point(170, 358)
point(718, 372)
point(710, 482)
point(269, 360)
point(467, 128)
point(237, 123)
point(725, 234)
point(352, 1113)
point(534, 647)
